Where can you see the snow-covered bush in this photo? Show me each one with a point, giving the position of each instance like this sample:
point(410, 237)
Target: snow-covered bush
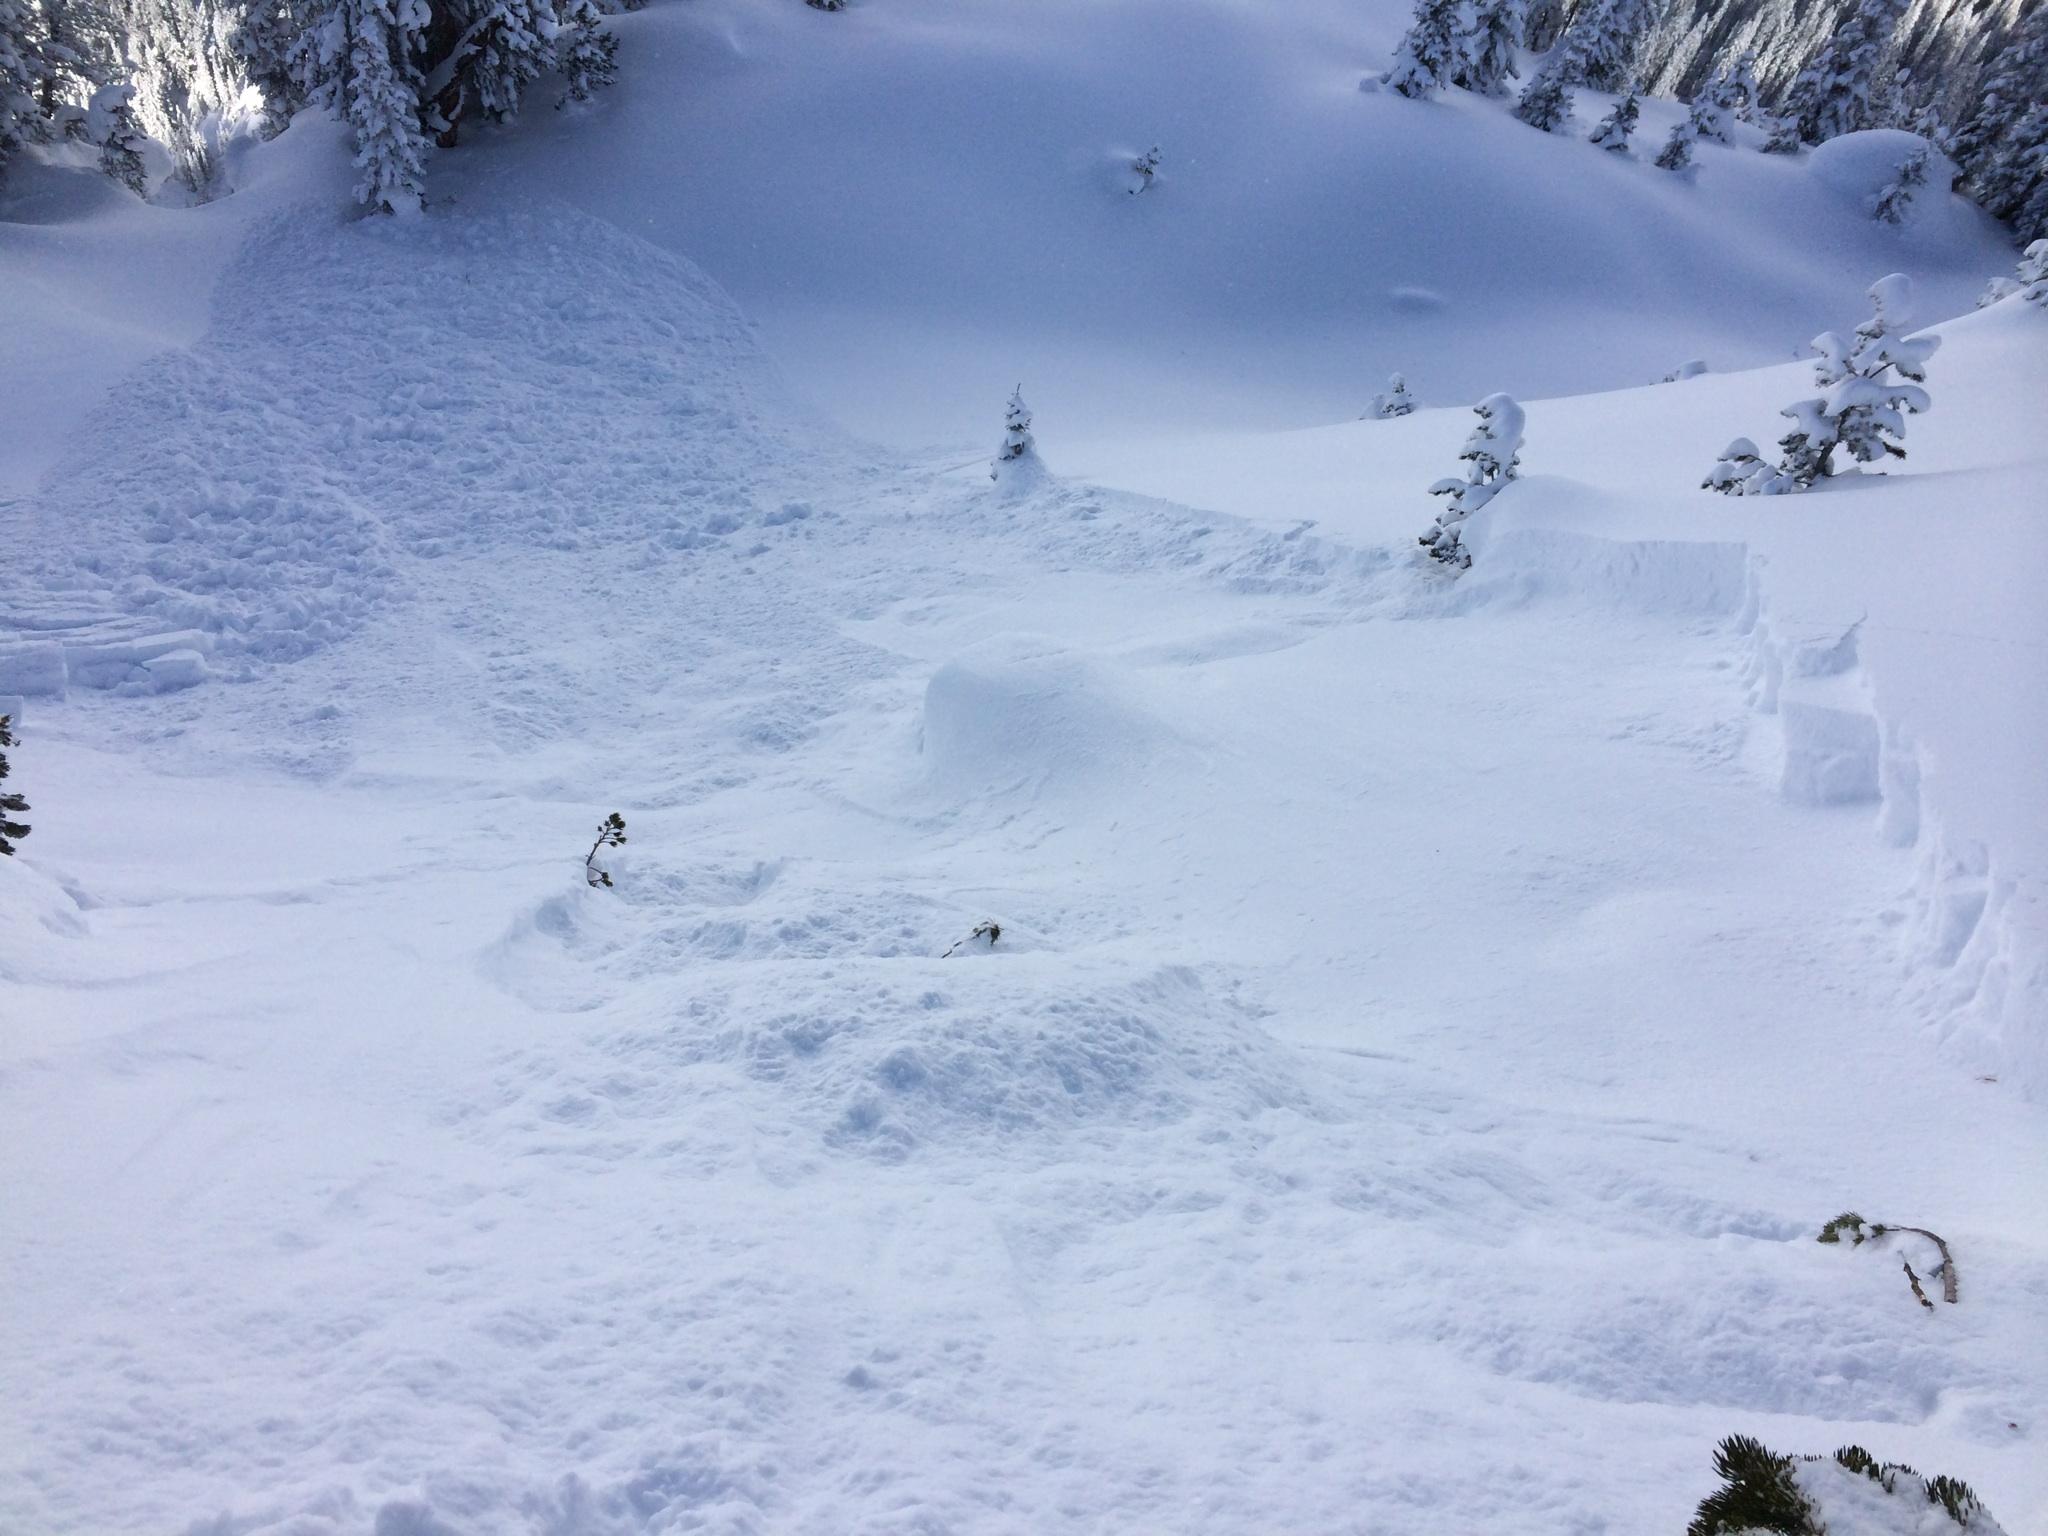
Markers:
point(110, 123)
point(1491, 454)
point(1891, 204)
point(1143, 169)
point(1742, 471)
point(1395, 400)
point(1869, 385)
point(1547, 103)
point(1612, 132)
point(11, 805)
point(1431, 52)
point(1850, 1491)
point(611, 833)
point(1017, 442)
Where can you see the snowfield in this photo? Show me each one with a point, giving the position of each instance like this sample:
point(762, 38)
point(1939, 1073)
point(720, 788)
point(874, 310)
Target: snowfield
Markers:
point(1431, 1019)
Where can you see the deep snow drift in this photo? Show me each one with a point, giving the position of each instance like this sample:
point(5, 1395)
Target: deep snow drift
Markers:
point(1431, 1019)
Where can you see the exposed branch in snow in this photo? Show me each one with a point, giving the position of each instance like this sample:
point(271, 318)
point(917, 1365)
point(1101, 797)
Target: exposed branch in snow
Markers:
point(990, 931)
point(1852, 1226)
point(611, 832)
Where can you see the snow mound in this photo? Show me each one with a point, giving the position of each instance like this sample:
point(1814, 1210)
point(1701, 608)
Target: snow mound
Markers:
point(1861, 165)
point(1049, 725)
point(34, 910)
point(1149, 1051)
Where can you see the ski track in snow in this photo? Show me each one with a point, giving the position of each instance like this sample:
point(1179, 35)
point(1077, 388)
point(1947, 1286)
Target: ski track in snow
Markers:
point(1395, 1087)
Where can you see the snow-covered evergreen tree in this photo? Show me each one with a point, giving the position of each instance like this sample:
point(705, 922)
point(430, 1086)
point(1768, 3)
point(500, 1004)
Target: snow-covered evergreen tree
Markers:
point(1612, 132)
point(1491, 455)
point(1709, 114)
point(357, 57)
point(1547, 103)
point(509, 43)
point(2034, 273)
point(1676, 155)
point(1869, 385)
point(1488, 47)
point(111, 124)
point(260, 40)
point(1832, 95)
point(1542, 25)
point(191, 77)
point(11, 805)
point(1782, 136)
point(1431, 52)
point(22, 73)
point(586, 56)
point(2002, 146)
point(1893, 202)
point(1143, 170)
point(1394, 401)
point(1736, 89)
point(1017, 441)
point(1602, 40)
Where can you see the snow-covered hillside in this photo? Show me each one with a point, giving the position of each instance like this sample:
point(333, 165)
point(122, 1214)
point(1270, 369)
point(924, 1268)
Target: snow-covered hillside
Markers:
point(1432, 1017)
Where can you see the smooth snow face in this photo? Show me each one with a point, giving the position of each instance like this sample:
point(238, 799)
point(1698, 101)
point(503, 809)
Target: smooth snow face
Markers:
point(925, 201)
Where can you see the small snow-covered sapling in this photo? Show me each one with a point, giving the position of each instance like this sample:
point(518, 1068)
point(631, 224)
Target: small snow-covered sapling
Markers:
point(1017, 440)
point(1146, 166)
point(990, 931)
point(1892, 203)
point(1491, 455)
point(1612, 132)
point(1852, 1226)
point(10, 805)
point(1394, 401)
point(611, 832)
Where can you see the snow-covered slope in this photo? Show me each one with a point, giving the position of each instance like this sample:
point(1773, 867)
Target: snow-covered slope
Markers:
point(1897, 619)
point(924, 202)
point(1429, 1024)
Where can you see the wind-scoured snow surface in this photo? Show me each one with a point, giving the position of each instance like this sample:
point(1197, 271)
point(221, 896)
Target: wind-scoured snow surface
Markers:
point(1430, 1024)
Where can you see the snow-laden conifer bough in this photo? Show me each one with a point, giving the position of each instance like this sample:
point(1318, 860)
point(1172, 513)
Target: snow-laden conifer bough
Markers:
point(1850, 1493)
point(11, 805)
